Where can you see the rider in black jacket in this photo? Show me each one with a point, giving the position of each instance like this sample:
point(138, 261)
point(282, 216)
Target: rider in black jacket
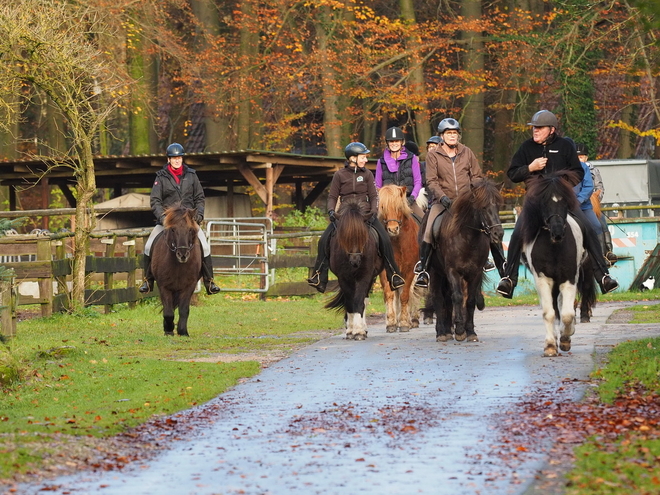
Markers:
point(177, 183)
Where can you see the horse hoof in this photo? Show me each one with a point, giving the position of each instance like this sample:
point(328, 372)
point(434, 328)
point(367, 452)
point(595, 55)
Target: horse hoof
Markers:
point(183, 334)
point(585, 319)
point(565, 344)
point(460, 337)
point(169, 334)
point(428, 321)
point(350, 336)
point(390, 328)
point(550, 351)
point(414, 324)
point(473, 338)
point(445, 337)
point(360, 336)
point(404, 329)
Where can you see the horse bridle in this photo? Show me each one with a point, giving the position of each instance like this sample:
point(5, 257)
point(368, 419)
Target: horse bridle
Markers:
point(546, 221)
point(485, 228)
point(174, 248)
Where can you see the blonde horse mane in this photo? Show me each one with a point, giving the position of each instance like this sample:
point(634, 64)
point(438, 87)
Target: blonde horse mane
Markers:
point(595, 202)
point(393, 199)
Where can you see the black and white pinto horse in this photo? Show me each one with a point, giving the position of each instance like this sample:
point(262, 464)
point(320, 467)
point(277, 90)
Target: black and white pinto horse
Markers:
point(552, 242)
point(354, 259)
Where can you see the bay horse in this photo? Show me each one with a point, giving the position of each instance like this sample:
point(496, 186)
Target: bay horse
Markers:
point(176, 265)
point(456, 268)
point(395, 214)
point(552, 242)
point(354, 259)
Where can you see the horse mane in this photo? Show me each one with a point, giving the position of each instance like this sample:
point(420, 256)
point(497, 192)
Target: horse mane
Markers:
point(481, 194)
point(351, 229)
point(595, 203)
point(390, 199)
point(179, 216)
point(539, 194)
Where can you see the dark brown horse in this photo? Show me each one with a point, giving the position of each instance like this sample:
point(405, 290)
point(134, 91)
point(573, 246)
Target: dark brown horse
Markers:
point(176, 265)
point(402, 305)
point(463, 243)
point(355, 261)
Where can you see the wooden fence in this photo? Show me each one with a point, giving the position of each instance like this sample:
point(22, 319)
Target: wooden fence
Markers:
point(46, 261)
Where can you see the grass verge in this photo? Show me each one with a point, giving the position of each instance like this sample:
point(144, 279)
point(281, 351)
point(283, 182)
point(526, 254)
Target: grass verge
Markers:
point(97, 375)
point(632, 462)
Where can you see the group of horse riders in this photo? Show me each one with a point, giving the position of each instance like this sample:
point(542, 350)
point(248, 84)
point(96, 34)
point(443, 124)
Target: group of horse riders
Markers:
point(449, 170)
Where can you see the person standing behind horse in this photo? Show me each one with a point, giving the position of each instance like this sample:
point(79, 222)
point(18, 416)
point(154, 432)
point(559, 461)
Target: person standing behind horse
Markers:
point(450, 169)
point(599, 192)
point(544, 153)
point(354, 181)
point(175, 183)
point(400, 166)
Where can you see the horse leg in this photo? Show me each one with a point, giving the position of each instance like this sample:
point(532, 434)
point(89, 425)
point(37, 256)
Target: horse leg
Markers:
point(475, 292)
point(356, 323)
point(567, 311)
point(544, 289)
point(458, 298)
point(168, 311)
point(390, 309)
point(442, 307)
point(404, 308)
point(184, 311)
point(413, 306)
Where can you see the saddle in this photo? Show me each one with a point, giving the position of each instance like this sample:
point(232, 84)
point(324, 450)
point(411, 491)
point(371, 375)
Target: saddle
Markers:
point(435, 229)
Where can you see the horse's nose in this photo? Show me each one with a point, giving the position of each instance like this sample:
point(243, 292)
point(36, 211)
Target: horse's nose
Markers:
point(393, 231)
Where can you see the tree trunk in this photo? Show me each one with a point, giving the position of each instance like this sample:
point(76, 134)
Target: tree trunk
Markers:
point(215, 127)
point(416, 81)
point(331, 120)
point(140, 68)
point(249, 52)
point(473, 60)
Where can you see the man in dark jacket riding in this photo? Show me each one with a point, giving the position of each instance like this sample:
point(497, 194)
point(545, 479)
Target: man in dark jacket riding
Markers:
point(544, 153)
point(177, 183)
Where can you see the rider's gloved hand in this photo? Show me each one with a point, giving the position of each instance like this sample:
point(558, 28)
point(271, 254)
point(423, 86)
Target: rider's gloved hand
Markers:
point(332, 216)
point(445, 201)
point(161, 220)
point(411, 201)
point(199, 218)
point(372, 219)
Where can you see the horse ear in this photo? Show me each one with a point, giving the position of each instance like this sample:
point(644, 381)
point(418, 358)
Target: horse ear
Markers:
point(403, 190)
point(192, 213)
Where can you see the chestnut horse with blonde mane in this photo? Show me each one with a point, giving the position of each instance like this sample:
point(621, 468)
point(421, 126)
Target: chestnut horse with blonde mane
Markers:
point(395, 214)
point(176, 265)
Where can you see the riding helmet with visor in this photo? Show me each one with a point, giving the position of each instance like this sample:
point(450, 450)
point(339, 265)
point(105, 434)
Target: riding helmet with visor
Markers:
point(355, 149)
point(175, 149)
point(448, 125)
point(544, 118)
point(394, 134)
point(582, 149)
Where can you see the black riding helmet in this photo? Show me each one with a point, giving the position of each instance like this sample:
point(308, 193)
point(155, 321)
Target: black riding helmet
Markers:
point(394, 134)
point(175, 149)
point(355, 149)
point(582, 149)
point(434, 139)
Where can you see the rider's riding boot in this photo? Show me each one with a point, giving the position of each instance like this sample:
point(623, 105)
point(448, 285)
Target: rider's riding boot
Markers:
point(423, 278)
point(509, 280)
point(148, 283)
point(207, 275)
point(605, 282)
point(393, 276)
point(489, 265)
point(607, 242)
point(319, 280)
point(506, 286)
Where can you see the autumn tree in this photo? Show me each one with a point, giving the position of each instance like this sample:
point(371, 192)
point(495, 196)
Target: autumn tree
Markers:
point(49, 47)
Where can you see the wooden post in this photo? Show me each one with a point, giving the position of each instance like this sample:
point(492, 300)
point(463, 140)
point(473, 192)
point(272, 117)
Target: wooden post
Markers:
point(108, 278)
point(7, 308)
point(130, 277)
point(45, 284)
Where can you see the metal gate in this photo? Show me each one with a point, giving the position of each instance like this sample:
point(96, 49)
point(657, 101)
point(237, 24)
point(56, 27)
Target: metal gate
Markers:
point(240, 248)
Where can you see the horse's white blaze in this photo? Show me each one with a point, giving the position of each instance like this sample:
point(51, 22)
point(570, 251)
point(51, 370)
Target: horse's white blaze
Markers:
point(556, 199)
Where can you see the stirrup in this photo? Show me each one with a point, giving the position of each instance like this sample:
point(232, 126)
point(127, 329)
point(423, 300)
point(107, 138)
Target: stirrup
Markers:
point(612, 286)
point(146, 287)
point(422, 280)
point(397, 281)
point(507, 291)
point(611, 257)
point(418, 267)
point(489, 266)
point(211, 288)
point(315, 280)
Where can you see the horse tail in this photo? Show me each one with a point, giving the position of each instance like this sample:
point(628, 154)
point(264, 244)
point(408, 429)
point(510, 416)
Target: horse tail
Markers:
point(586, 285)
point(337, 302)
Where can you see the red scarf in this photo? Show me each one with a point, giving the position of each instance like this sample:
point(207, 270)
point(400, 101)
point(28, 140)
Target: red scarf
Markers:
point(177, 173)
